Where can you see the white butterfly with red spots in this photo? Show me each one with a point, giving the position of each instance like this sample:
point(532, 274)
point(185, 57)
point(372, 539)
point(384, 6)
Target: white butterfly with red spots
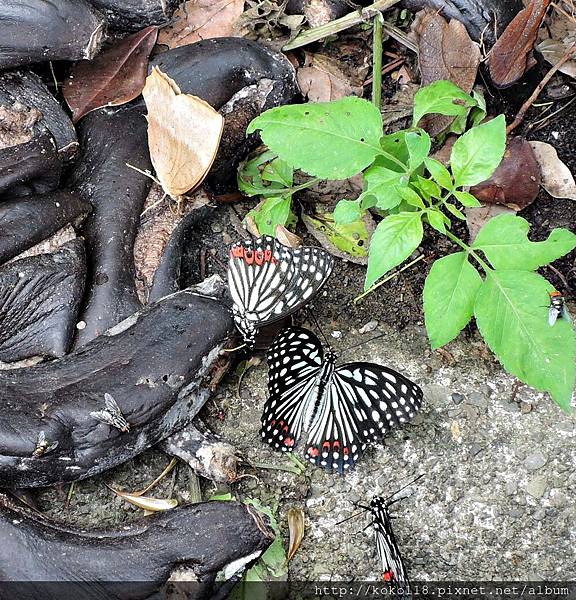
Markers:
point(339, 409)
point(268, 281)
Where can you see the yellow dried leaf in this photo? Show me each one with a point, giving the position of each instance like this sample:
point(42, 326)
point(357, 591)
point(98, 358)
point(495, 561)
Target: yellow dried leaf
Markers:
point(183, 134)
point(146, 502)
point(287, 238)
point(296, 528)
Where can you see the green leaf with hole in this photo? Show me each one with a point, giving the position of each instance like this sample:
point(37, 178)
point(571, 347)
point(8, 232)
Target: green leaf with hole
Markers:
point(512, 316)
point(476, 154)
point(351, 238)
point(347, 211)
point(449, 294)
point(504, 241)
point(272, 212)
point(332, 140)
point(393, 241)
point(418, 144)
point(442, 97)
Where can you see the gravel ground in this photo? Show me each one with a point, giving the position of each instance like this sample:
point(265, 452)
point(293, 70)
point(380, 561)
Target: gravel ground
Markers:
point(497, 500)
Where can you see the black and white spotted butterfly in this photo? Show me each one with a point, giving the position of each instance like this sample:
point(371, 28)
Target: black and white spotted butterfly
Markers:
point(268, 281)
point(340, 409)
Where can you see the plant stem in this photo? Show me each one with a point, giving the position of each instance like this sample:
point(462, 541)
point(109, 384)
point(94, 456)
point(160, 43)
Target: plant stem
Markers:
point(354, 18)
point(377, 61)
point(291, 190)
point(383, 281)
point(468, 250)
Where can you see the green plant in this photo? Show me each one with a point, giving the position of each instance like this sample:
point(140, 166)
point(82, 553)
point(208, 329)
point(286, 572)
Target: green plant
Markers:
point(493, 279)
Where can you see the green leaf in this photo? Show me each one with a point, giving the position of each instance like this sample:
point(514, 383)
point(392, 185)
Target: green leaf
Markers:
point(393, 241)
point(272, 212)
point(443, 97)
point(478, 113)
point(382, 184)
point(418, 144)
point(332, 140)
point(278, 171)
point(436, 220)
point(250, 180)
point(347, 211)
point(476, 154)
point(228, 497)
point(504, 241)
point(412, 197)
point(429, 188)
point(455, 211)
point(449, 294)
point(466, 199)
point(351, 238)
point(512, 315)
point(394, 144)
point(439, 173)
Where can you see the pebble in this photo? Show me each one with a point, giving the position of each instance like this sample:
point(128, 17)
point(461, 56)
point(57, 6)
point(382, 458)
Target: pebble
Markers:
point(535, 460)
point(477, 399)
point(457, 398)
point(537, 486)
point(370, 326)
point(217, 228)
point(511, 487)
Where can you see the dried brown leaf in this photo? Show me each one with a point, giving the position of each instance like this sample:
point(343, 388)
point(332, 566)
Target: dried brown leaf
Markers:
point(557, 179)
point(516, 181)
point(322, 80)
point(147, 503)
point(553, 51)
point(296, 527)
point(114, 77)
point(183, 134)
point(287, 238)
point(510, 56)
point(446, 52)
point(197, 20)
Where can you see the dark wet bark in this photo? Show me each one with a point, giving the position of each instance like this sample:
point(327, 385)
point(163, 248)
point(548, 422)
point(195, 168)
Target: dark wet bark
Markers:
point(38, 31)
point(30, 168)
point(155, 365)
point(131, 562)
point(39, 301)
point(26, 221)
point(109, 140)
point(26, 88)
point(134, 15)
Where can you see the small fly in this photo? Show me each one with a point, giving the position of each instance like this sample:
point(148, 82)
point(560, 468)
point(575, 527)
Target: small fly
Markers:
point(557, 308)
point(111, 415)
point(43, 446)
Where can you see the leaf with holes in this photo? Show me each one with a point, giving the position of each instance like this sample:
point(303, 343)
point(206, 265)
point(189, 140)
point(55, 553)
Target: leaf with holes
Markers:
point(334, 140)
point(512, 316)
point(442, 97)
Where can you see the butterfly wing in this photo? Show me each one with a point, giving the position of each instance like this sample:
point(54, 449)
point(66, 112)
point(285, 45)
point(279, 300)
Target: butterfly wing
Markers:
point(269, 281)
point(294, 359)
point(393, 569)
point(362, 402)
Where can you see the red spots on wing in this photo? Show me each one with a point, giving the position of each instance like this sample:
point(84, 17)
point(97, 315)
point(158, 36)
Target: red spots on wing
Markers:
point(289, 441)
point(336, 445)
point(258, 257)
point(326, 446)
point(345, 451)
point(388, 576)
point(313, 452)
point(273, 422)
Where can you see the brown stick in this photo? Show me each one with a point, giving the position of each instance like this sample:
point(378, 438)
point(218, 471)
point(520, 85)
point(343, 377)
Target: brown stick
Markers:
point(524, 108)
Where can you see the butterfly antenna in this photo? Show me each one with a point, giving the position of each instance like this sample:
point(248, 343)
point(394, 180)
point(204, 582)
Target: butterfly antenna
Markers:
point(312, 316)
point(351, 517)
point(376, 337)
point(388, 501)
point(234, 349)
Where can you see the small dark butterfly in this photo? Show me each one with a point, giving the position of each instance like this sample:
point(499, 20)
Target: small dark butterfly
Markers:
point(338, 409)
point(268, 281)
